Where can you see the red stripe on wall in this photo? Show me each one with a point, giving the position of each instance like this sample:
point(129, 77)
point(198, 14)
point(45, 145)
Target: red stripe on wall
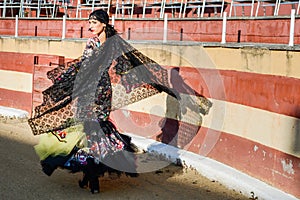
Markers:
point(142, 124)
point(268, 92)
point(24, 62)
point(15, 99)
point(167, 130)
point(277, 94)
point(19, 62)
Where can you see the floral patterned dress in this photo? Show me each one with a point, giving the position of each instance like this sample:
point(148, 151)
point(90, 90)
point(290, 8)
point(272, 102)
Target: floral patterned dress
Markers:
point(102, 142)
point(107, 77)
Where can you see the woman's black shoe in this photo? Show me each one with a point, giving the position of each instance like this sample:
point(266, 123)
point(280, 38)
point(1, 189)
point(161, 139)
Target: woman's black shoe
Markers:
point(94, 185)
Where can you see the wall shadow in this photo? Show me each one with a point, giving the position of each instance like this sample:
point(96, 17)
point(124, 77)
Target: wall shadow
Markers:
point(184, 117)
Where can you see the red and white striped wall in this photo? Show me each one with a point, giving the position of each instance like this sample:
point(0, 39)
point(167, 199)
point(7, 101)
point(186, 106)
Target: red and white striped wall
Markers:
point(254, 129)
point(16, 74)
point(23, 77)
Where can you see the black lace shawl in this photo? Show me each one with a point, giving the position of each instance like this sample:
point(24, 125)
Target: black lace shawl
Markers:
point(115, 75)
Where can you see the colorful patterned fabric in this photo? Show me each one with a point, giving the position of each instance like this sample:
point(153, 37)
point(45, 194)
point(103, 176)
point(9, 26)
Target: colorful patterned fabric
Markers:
point(85, 91)
point(104, 79)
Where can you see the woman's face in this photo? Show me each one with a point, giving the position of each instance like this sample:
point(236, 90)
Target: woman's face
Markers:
point(96, 27)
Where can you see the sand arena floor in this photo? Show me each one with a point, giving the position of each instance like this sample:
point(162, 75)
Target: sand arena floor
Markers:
point(22, 178)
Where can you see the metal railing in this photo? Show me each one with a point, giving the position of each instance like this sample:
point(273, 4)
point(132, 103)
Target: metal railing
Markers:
point(147, 8)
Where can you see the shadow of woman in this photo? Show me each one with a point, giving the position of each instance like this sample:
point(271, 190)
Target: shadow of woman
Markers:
point(183, 117)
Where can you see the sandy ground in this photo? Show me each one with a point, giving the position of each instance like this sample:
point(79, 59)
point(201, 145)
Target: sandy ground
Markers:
point(22, 178)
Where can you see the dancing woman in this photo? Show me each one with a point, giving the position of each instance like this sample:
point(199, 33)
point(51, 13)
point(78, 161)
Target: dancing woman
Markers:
point(73, 121)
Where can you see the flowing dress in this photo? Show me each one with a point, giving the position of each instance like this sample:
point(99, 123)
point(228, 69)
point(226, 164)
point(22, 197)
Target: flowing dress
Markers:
point(73, 120)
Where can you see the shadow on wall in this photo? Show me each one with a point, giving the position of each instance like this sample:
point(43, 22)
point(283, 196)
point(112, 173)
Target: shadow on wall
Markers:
point(184, 117)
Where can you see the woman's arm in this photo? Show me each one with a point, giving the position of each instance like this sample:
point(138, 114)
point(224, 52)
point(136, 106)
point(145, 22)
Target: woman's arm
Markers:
point(91, 44)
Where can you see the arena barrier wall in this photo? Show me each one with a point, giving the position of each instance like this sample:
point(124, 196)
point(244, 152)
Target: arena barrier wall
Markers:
point(253, 125)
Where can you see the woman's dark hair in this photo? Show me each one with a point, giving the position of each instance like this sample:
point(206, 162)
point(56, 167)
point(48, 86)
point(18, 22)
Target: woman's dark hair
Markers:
point(103, 17)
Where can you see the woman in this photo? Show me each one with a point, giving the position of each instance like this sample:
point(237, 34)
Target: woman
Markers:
point(73, 120)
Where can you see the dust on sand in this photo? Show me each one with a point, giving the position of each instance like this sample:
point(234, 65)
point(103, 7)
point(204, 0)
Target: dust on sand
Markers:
point(22, 178)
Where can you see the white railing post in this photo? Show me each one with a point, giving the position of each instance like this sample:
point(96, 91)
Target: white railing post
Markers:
point(113, 20)
point(292, 28)
point(17, 26)
point(64, 27)
point(223, 41)
point(4, 9)
point(165, 38)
